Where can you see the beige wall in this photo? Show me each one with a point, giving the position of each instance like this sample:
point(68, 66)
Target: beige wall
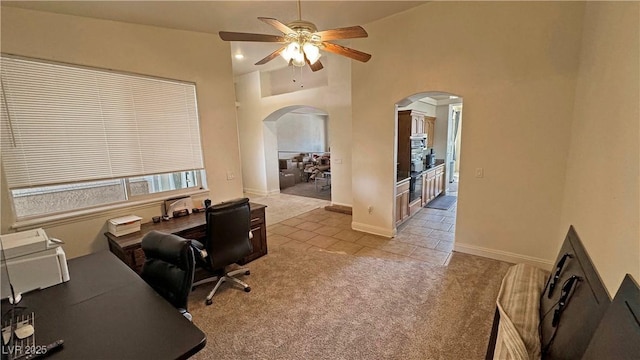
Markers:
point(602, 187)
point(301, 133)
point(515, 64)
point(197, 57)
point(258, 138)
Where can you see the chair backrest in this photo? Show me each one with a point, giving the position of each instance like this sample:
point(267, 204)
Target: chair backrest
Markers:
point(228, 226)
point(169, 266)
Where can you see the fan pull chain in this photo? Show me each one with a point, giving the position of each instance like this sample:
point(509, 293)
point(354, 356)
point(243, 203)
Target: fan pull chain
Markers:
point(293, 76)
point(301, 80)
point(299, 11)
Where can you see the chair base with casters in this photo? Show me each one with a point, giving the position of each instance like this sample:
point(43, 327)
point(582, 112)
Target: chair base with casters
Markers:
point(230, 276)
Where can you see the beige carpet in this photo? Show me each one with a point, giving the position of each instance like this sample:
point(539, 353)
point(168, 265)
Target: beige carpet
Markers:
point(321, 305)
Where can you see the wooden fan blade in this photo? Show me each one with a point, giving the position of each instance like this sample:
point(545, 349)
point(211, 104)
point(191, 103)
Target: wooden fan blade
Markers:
point(271, 56)
point(351, 32)
point(345, 51)
point(236, 36)
point(315, 66)
point(277, 24)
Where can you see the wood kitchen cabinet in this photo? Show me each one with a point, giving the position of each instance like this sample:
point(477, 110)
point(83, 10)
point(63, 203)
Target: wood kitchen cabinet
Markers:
point(425, 189)
point(405, 124)
point(418, 124)
point(433, 183)
point(412, 122)
point(428, 186)
point(430, 129)
point(402, 201)
point(439, 183)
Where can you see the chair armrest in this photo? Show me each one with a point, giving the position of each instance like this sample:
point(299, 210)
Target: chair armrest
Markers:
point(199, 250)
point(197, 244)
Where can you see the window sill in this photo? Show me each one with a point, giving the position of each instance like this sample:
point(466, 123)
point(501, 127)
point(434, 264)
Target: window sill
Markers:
point(81, 215)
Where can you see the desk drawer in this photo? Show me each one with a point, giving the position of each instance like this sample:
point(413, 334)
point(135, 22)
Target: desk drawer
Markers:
point(257, 217)
point(138, 259)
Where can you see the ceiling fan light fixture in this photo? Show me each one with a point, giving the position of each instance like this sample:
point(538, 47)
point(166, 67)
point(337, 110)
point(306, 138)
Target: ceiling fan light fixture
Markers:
point(312, 52)
point(290, 51)
point(298, 59)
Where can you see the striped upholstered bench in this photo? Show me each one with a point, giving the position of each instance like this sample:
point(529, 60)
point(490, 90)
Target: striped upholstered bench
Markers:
point(518, 304)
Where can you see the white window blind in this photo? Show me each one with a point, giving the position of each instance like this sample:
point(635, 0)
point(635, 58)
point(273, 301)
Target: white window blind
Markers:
point(64, 124)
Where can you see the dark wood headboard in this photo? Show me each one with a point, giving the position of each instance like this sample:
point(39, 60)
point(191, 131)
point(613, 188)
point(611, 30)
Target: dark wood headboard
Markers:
point(584, 308)
point(618, 335)
point(591, 327)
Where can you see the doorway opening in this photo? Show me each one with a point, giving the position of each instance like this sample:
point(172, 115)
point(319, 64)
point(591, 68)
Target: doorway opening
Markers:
point(303, 152)
point(428, 141)
point(453, 148)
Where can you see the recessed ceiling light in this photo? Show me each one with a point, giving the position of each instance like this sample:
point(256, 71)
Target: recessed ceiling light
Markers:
point(239, 56)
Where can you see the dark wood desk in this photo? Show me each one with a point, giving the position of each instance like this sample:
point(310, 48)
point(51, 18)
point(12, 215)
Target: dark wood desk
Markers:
point(193, 226)
point(106, 311)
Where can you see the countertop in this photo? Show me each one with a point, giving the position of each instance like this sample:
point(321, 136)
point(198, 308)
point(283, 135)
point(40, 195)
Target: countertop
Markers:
point(402, 176)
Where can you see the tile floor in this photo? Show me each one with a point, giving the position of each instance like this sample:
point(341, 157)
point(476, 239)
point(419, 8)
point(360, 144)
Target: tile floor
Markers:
point(282, 206)
point(428, 236)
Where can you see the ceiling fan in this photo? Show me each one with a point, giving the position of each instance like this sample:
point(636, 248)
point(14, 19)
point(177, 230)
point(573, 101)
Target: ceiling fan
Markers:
point(302, 41)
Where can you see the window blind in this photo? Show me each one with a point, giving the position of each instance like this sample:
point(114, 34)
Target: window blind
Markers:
point(64, 124)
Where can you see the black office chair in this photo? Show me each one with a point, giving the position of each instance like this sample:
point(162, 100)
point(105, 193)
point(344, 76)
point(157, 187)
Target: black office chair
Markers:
point(169, 267)
point(227, 242)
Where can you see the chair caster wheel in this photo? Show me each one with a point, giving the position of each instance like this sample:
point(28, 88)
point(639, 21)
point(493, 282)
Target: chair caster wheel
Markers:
point(209, 302)
point(247, 289)
point(247, 272)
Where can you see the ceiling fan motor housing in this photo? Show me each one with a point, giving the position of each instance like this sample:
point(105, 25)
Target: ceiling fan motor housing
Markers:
point(304, 33)
point(302, 25)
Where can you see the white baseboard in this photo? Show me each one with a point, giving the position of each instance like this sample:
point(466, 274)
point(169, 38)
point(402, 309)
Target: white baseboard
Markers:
point(341, 204)
point(376, 230)
point(254, 192)
point(257, 192)
point(503, 256)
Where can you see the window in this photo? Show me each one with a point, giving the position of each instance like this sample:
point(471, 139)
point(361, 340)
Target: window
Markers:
point(152, 184)
point(74, 137)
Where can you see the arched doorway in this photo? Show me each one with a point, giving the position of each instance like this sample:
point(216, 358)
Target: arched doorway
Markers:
point(297, 151)
point(427, 167)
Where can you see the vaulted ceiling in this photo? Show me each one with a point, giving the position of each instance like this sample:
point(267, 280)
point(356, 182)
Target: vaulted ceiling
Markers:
point(240, 16)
